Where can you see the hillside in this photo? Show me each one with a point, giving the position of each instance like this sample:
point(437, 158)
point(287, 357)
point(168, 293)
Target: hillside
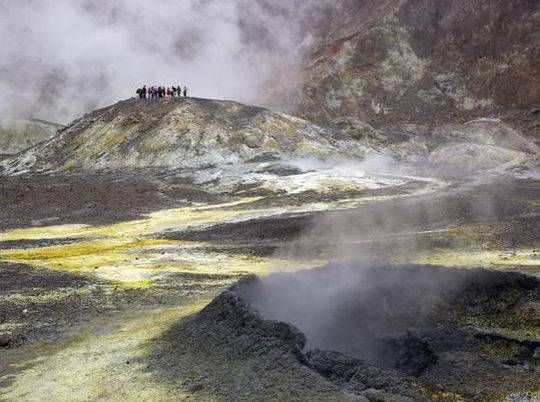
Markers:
point(180, 133)
point(224, 136)
point(18, 135)
point(422, 61)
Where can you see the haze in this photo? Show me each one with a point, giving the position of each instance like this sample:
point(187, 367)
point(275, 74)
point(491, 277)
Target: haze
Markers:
point(62, 58)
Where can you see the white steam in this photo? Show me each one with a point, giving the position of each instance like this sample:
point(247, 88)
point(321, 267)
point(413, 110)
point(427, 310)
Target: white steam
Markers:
point(61, 58)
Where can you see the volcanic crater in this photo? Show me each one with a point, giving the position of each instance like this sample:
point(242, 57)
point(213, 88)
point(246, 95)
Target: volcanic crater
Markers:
point(407, 332)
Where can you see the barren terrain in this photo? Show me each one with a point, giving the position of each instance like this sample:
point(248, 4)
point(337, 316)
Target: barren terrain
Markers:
point(100, 271)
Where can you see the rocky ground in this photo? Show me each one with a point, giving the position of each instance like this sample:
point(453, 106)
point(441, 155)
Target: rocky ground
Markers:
point(106, 267)
point(65, 280)
point(382, 247)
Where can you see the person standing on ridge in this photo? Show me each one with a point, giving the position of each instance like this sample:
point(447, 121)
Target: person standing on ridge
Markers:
point(185, 92)
point(144, 92)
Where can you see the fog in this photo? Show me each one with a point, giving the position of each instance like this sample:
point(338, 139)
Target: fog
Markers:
point(61, 58)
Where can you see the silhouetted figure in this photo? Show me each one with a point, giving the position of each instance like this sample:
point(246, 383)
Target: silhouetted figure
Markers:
point(153, 92)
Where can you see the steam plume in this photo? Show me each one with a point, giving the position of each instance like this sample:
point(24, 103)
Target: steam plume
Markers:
point(61, 58)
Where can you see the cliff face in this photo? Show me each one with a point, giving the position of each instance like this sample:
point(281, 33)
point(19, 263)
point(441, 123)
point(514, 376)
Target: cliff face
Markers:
point(428, 61)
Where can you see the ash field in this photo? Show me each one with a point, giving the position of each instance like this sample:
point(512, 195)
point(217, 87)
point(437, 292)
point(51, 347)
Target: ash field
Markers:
point(374, 240)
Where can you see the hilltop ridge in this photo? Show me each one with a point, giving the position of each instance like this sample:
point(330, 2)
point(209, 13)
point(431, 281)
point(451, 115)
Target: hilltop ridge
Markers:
point(179, 133)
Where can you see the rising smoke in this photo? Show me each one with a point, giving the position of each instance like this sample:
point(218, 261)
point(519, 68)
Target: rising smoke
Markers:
point(369, 301)
point(61, 58)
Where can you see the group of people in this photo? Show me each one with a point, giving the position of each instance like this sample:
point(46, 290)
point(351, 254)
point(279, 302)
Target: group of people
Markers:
point(152, 92)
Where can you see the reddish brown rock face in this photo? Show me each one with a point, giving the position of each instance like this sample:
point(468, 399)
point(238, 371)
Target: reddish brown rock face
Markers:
point(421, 61)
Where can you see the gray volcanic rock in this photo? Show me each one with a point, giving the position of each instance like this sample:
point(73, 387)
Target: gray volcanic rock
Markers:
point(232, 353)
point(235, 319)
point(180, 133)
point(361, 378)
point(371, 335)
point(470, 157)
point(18, 135)
point(271, 358)
point(365, 335)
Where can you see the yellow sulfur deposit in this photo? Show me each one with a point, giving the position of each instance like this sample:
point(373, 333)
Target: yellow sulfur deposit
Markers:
point(123, 253)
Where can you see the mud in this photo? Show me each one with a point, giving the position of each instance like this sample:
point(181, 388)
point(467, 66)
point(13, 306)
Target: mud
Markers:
point(43, 304)
point(38, 304)
point(25, 244)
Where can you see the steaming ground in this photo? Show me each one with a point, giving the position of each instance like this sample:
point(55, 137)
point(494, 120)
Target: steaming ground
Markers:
point(63, 286)
point(104, 265)
point(120, 237)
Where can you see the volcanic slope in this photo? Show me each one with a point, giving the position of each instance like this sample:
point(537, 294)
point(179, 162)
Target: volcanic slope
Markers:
point(179, 133)
point(18, 135)
point(423, 61)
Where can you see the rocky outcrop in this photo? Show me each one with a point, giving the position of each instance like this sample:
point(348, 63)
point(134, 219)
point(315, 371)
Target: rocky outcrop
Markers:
point(276, 347)
point(481, 145)
point(359, 378)
point(449, 331)
point(180, 133)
